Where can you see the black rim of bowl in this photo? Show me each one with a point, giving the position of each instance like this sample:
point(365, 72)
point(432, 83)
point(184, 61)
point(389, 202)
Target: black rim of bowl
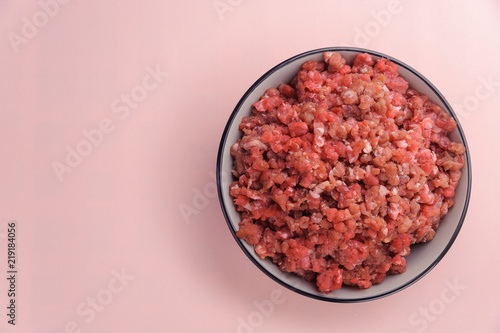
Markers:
point(228, 218)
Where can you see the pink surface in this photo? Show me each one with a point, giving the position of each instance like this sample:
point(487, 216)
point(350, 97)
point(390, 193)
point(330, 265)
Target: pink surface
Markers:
point(143, 90)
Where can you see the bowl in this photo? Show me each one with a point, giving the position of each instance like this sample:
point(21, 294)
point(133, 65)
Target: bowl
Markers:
point(423, 257)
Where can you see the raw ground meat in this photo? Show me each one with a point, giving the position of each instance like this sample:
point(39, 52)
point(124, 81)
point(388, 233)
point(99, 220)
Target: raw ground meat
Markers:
point(341, 170)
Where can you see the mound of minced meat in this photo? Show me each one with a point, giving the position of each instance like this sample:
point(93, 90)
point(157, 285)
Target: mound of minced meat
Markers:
point(341, 170)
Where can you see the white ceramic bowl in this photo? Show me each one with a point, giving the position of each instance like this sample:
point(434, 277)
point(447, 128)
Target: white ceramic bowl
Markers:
point(423, 257)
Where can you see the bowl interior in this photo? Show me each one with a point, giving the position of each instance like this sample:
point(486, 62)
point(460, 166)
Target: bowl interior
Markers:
point(423, 257)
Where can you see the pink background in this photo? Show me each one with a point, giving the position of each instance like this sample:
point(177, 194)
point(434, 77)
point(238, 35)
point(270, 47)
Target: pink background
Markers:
point(119, 209)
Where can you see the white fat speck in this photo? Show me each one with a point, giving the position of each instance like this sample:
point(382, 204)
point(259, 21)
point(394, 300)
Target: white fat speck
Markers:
point(383, 190)
point(349, 93)
point(314, 195)
point(401, 143)
point(368, 148)
point(427, 123)
point(394, 191)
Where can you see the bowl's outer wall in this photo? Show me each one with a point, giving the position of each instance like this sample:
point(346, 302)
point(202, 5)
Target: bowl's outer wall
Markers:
point(423, 257)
